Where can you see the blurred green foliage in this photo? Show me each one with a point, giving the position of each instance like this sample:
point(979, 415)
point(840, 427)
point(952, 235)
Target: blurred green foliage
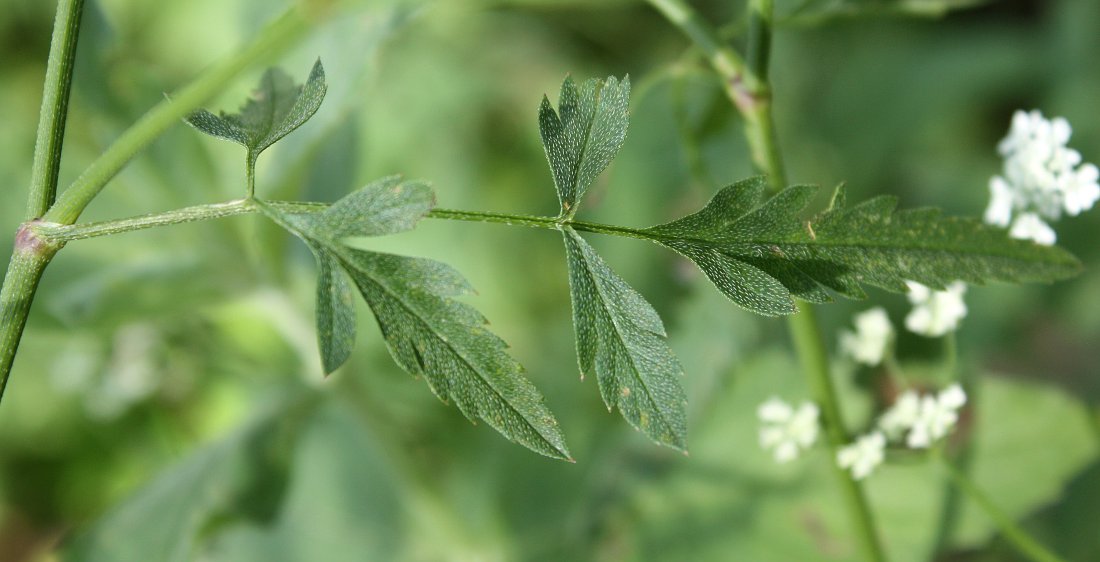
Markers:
point(168, 397)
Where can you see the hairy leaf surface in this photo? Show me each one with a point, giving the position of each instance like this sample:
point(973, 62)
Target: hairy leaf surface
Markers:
point(760, 252)
point(621, 338)
point(584, 134)
point(426, 330)
point(446, 341)
point(277, 107)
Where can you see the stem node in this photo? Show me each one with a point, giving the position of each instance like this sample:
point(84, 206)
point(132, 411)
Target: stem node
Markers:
point(29, 242)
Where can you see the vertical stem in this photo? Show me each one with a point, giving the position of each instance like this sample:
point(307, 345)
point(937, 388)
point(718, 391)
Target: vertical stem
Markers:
point(28, 260)
point(810, 346)
point(755, 96)
point(748, 87)
point(1024, 543)
point(55, 104)
point(964, 457)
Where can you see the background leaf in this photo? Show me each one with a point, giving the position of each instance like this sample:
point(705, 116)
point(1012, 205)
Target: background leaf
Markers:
point(244, 476)
point(621, 339)
point(584, 134)
point(277, 107)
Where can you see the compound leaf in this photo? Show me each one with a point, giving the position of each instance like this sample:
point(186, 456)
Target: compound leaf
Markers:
point(584, 134)
point(621, 338)
point(426, 330)
point(277, 107)
point(760, 253)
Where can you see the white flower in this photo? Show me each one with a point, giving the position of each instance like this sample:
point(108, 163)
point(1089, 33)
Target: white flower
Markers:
point(1001, 202)
point(787, 430)
point(1041, 178)
point(864, 455)
point(1080, 189)
point(935, 313)
point(901, 416)
point(871, 339)
point(1028, 226)
point(937, 416)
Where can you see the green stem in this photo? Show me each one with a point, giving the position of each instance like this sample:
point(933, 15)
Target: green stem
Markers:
point(1024, 543)
point(272, 40)
point(810, 346)
point(57, 233)
point(55, 104)
point(964, 457)
point(748, 87)
point(28, 260)
point(250, 174)
point(552, 223)
point(62, 233)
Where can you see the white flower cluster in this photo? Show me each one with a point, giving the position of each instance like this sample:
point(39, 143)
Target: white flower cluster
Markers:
point(920, 420)
point(787, 430)
point(869, 343)
point(1042, 178)
point(935, 313)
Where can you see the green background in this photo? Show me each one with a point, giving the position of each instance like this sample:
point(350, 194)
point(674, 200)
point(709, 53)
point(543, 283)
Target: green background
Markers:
point(168, 404)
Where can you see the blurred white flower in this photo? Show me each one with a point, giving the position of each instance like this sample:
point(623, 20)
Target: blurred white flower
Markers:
point(900, 418)
point(1080, 189)
point(938, 415)
point(1001, 202)
point(1028, 226)
point(872, 337)
point(1040, 179)
point(864, 455)
point(935, 313)
point(787, 430)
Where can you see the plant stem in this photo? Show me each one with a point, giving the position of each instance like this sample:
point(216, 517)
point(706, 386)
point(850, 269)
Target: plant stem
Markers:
point(28, 260)
point(810, 346)
point(748, 87)
point(964, 456)
point(62, 233)
point(1024, 543)
point(552, 223)
point(55, 104)
point(273, 39)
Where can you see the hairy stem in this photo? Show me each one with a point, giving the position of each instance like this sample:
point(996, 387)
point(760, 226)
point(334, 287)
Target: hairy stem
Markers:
point(29, 259)
point(55, 107)
point(61, 233)
point(748, 87)
point(1024, 543)
point(68, 232)
point(272, 40)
